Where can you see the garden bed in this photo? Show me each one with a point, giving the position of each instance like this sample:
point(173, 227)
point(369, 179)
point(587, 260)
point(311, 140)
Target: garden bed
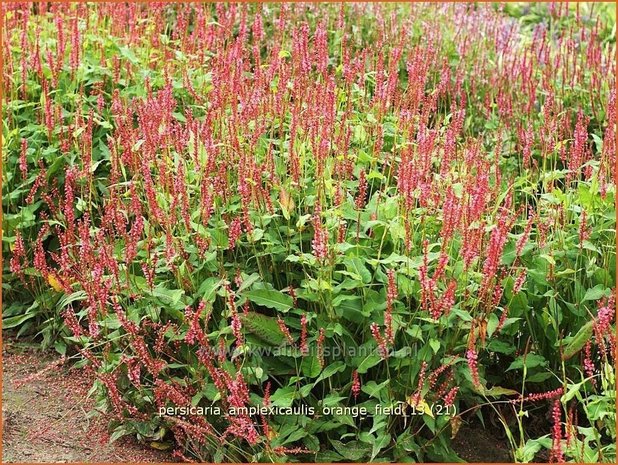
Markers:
point(278, 232)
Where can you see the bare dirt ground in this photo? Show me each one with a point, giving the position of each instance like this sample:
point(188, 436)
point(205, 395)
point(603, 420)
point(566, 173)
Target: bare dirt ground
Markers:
point(476, 445)
point(44, 415)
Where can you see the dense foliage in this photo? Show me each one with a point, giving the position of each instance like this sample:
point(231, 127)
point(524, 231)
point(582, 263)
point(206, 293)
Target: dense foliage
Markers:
point(319, 207)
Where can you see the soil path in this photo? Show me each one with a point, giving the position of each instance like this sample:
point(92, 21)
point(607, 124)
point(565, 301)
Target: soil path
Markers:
point(45, 414)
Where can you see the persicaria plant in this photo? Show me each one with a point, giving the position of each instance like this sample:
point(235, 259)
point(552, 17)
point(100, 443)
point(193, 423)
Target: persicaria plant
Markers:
point(310, 206)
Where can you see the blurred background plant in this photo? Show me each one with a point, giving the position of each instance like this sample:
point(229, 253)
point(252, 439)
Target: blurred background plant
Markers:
point(413, 204)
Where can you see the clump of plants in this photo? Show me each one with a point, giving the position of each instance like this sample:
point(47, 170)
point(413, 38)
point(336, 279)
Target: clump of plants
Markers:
point(263, 226)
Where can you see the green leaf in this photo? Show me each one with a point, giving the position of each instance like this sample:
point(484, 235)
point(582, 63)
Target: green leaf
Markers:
point(283, 397)
point(572, 391)
point(208, 288)
point(171, 297)
point(60, 347)
point(372, 389)
point(17, 320)
point(500, 347)
point(368, 362)
point(270, 298)
point(248, 282)
point(381, 442)
point(330, 370)
point(264, 327)
point(596, 293)
point(67, 299)
point(527, 453)
point(332, 400)
point(353, 450)
point(350, 307)
point(497, 391)
point(127, 53)
point(435, 345)
point(529, 360)
point(312, 443)
point(492, 324)
point(310, 366)
point(357, 266)
point(328, 456)
point(579, 340)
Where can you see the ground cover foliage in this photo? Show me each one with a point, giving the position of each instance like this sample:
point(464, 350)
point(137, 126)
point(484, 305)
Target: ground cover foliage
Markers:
point(319, 206)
